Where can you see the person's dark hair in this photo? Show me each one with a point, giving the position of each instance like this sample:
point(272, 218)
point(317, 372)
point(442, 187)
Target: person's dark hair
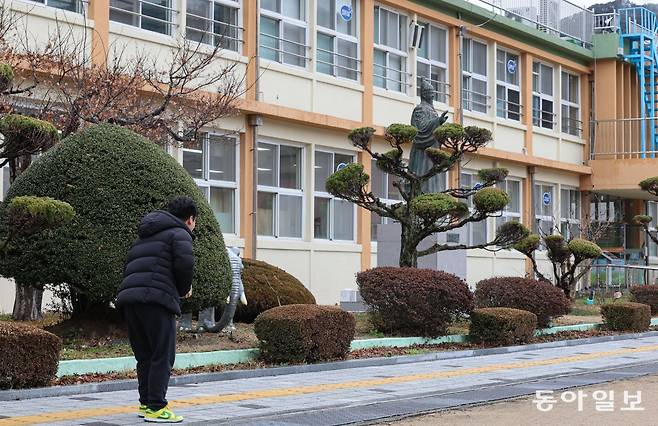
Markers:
point(182, 208)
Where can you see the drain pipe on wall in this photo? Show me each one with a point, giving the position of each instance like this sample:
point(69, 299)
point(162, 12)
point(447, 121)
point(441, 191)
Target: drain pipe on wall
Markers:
point(254, 122)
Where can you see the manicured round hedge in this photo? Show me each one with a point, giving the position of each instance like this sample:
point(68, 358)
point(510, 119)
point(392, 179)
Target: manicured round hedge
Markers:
point(541, 298)
point(502, 326)
point(298, 333)
point(626, 316)
point(647, 294)
point(267, 287)
point(412, 301)
point(112, 177)
point(29, 356)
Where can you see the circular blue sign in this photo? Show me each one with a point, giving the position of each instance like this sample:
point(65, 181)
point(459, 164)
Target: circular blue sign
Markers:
point(346, 12)
point(477, 186)
point(546, 198)
point(511, 66)
point(341, 166)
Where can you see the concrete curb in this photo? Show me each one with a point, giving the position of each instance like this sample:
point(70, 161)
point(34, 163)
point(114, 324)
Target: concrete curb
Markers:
point(120, 385)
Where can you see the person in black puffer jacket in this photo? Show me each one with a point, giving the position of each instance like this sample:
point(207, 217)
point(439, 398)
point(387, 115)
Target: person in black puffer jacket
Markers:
point(157, 274)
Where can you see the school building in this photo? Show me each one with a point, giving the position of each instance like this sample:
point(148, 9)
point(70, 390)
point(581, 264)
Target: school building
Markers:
point(569, 97)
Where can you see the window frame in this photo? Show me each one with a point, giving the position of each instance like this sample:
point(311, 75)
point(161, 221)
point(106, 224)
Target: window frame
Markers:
point(280, 51)
point(469, 75)
point(327, 196)
point(538, 115)
point(538, 195)
point(234, 4)
point(79, 5)
point(474, 178)
point(568, 222)
point(335, 35)
point(170, 9)
point(404, 83)
point(205, 182)
point(507, 105)
point(506, 214)
point(443, 94)
point(566, 127)
point(278, 190)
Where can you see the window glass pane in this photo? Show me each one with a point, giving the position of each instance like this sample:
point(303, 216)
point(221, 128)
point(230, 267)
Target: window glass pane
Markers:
point(291, 167)
point(222, 204)
point(267, 172)
point(439, 76)
point(379, 69)
point(124, 17)
point(438, 46)
point(392, 36)
point(325, 54)
point(546, 80)
point(395, 72)
point(378, 180)
point(226, 27)
point(197, 27)
point(294, 39)
point(466, 60)
point(500, 65)
point(325, 14)
point(272, 5)
point(514, 191)
point(422, 71)
point(573, 88)
point(547, 114)
point(423, 50)
point(402, 31)
point(347, 59)
point(71, 5)
point(342, 159)
point(479, 58)
point(265, 213)
point(512, 77)
point(343, 26)
point(564, 204)
point(479, 230)
point(376, 26)
point(479, 96)
point(193, 159)
point(155, 16)
point(321, 218)
point(222, 158)
point(513, 104)
point(393, 192)
point(269, 40)
point(323, 169)
point(375, 220)
point(293, 9)
point(343, 220)
point(290, 216)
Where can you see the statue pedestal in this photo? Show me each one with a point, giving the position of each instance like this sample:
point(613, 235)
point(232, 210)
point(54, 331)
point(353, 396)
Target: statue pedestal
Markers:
point(452, 261)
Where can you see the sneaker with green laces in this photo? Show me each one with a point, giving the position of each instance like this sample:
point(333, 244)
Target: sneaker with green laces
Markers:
point(142, 410)
point(163, 415)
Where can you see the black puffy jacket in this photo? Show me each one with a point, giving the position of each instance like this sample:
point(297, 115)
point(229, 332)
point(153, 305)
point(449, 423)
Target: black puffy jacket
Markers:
point(160, 263)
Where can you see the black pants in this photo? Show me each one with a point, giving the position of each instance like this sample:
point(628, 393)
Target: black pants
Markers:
point(152, 333)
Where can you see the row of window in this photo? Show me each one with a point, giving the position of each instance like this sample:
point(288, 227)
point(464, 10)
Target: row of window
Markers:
point(284, 38)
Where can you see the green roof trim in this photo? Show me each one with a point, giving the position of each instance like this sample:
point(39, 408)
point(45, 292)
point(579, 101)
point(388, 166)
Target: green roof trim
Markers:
point(477, 15)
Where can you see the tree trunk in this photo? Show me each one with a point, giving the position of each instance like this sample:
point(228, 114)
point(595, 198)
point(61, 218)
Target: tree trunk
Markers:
point(27, 305)
point(408, 254)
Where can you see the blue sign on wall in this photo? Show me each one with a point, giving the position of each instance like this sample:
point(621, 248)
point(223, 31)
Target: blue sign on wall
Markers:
point(341, 166)
point(346, 12)
point(511, 66)
point(546, 198)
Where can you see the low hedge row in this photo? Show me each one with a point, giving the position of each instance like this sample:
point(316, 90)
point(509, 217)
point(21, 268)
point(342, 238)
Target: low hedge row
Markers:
point(502, 326)
point(539, 297)
point(304, 333)
point(647, 294)
point(412, 301)
point(29, 356)
point(627, 316)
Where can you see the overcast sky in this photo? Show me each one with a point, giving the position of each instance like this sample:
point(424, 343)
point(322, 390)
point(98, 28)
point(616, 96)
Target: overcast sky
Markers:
point(587, 3)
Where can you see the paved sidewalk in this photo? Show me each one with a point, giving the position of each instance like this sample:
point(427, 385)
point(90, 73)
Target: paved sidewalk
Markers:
point(358, 395)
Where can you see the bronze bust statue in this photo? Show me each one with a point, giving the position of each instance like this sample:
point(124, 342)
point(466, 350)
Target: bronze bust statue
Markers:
point(426, 120)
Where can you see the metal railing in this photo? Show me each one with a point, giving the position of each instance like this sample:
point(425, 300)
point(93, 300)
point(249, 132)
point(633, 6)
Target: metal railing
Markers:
point(282, 48)
point(622, 277)
point(637, 20)
point(606, 22)
point(214, 32)
point(441, 88)
point(335, 65)
point(148, 15)
point(621, 138)
point(472, 98)
point(560, 18)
